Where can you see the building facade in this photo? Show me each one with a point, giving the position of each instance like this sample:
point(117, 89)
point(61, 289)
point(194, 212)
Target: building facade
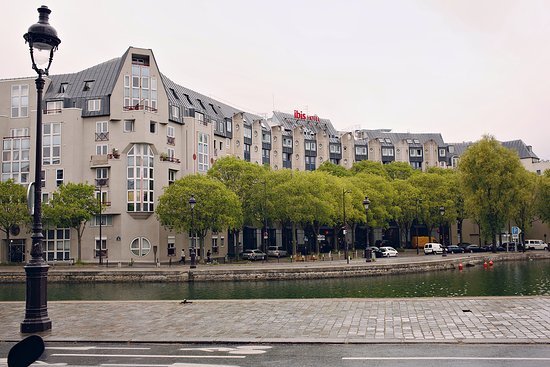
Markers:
point(128, 129)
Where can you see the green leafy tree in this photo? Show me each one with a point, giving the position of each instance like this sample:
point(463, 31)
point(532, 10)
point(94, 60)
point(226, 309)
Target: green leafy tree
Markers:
point(489, 176)
point(399, 170)
point(524, 201)
point(405, 204)
point(13, 207)
point(375, 168)
point(72, 206)
point(334, 169)
point(217, 208)
point(542, 202)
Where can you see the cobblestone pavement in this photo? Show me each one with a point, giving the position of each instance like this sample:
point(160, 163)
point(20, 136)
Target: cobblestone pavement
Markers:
point(443, 320)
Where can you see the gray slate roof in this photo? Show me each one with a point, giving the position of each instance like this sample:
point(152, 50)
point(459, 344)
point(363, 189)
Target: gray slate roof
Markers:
point(398, 137)
point(523, 150)
point(287, 121)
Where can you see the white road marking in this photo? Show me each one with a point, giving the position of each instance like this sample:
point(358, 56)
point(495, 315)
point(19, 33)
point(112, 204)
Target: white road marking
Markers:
point(245, 350)
point(143, 356)
point(446, 358)
point(91, 348)
point(167, 365)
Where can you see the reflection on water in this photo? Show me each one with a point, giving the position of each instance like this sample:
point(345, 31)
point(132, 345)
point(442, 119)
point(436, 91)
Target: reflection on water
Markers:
point(503, 279)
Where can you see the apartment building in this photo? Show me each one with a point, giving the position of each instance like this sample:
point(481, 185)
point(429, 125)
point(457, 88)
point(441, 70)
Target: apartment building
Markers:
point(127, 128)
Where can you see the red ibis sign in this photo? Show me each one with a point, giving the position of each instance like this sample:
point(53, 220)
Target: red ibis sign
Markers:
point(302, 116)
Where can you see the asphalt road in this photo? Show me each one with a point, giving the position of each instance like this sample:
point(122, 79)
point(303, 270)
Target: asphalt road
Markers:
point(303, 355)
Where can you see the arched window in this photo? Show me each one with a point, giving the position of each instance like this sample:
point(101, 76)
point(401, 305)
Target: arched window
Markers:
point(140, 246)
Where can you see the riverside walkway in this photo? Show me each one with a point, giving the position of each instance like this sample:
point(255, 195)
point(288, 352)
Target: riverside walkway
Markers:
point(410, 320)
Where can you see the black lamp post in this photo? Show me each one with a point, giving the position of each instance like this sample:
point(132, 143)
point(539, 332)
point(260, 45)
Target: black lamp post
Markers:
point(100, 183)
point(43, 42)
point(366, 204)
point(346, 249)
point(192, 254)
point(441, 236)
point(418, 201)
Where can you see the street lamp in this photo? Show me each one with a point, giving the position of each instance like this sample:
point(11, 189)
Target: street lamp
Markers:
point(344, 192)
point(366, 204)
point(100, 183)
point(43, 42)
point(418, 201)
point(441, 213)
point(192, 254)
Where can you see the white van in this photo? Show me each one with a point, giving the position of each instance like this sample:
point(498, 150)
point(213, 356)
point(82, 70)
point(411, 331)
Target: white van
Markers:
point(535, 245)
point(433, 248)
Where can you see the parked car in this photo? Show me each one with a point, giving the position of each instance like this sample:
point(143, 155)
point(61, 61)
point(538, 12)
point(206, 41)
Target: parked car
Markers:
point(510, 246)
point(253, 255)
point(388, 251)
point(535, 245)
point(376, 250)
point(275, 251)
point(454, 249)
point(433, 248)
point(474, 248)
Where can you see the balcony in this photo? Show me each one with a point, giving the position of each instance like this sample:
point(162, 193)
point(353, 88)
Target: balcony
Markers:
point(170, 140)
point(139, 107)
point(102, 136)
point(165, 158)
point(53, 111)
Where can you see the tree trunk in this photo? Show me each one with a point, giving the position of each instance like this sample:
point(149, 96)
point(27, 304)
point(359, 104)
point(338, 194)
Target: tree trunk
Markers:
point(294, 238)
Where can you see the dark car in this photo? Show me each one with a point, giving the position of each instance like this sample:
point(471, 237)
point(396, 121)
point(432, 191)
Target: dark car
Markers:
point(376, 250)
point(454, 249)
point(475, 248)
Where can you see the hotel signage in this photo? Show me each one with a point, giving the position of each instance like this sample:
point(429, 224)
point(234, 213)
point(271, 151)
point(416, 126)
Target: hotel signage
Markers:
point(302, 116)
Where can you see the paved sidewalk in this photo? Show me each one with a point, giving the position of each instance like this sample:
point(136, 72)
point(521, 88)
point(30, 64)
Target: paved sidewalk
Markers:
point(443, 320)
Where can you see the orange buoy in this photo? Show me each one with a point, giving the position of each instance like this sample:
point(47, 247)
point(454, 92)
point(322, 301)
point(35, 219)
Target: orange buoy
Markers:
point(460, 266)
point(490, 262)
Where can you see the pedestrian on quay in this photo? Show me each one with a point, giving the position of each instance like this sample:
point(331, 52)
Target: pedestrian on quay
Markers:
point(208, 259)
point(182, 260)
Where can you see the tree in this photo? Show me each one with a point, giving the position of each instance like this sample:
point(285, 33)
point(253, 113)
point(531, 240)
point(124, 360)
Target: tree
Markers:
point(524, 201)
point(375, 168)
point(405, 205)
point(489, 177)
point(13, 207)
point(542, 201)
point(399, 170)
point(334, 169)
point(72, 206)
point(217, 208)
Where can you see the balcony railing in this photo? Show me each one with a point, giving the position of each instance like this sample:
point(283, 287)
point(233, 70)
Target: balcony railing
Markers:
point(170, 140)
point(139, 107)
point(52, 111)
point(169, 159)
point(102, 136)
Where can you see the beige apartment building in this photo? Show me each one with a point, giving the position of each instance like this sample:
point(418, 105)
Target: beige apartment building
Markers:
point(124, 125)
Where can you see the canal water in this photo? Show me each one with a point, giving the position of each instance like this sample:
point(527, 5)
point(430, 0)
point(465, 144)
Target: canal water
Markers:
point(502, 279)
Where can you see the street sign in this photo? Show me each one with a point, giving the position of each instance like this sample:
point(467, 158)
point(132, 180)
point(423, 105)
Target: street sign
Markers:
point(320, 237)
point(515, 231)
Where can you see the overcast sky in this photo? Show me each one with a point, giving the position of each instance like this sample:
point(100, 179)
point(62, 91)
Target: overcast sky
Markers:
point(462, 68)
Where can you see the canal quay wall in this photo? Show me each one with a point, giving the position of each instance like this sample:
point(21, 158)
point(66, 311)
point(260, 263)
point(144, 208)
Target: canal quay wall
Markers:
point(271, 270)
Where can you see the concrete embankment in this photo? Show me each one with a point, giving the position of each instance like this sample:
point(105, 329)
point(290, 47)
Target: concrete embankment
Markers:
point(268, 271)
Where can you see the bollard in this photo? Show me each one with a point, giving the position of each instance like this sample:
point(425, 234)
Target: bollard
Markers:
point(170, 262)
point(485, 264)
point(460, 266)
point(490, 262)
point(119, 264)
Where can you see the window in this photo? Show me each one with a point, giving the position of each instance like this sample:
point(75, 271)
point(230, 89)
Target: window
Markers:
point(310, 163)
point(152, 127)
point(88, 84)
point(215, 244)
point(199, 116)
point(415, 152)
point(248, 132)
point(94, 105)
point(101, 149)
point(175, 112)
point(19, 101)
point(221, 126)
point(57, 244)
point(102, 130)
point(140, 89)
point(63, 88)
point(140, 246)
point(387, 152)
point(51, 143)
point(171, 176)
point(54, 107)
point(43, 178)
point(287, 142)
point(442, 152)
point(286, 157)
point(266, 138)
point(59, 177)
point(171, 153)
point(203, 152)
point(228, 126)
point(100, 244)
point(170, 132)
point(102, 173)
point(311, 145)
point(416, 165)
point(171, 245)
point(107, 220)
point(129, 126)
point(359, 150)
point(140, 174)
point(265, 153)
point(335, 148)
point(15, 156)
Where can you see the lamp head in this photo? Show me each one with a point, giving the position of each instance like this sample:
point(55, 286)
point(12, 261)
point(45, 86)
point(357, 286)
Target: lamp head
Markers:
point(192, 201)
point(43, 41)
point(366, 203)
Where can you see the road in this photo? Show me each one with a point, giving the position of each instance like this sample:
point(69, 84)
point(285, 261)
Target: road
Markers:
point(303, 355)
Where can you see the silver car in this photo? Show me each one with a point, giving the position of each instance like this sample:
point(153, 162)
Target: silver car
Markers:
point(253, 255)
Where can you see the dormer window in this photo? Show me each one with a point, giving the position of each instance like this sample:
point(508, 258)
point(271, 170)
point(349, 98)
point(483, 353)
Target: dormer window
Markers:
point(200, 102)
point(63, 87)
point(174, 93)
point(213, 109)
point(88, 84)
point(188, 99)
